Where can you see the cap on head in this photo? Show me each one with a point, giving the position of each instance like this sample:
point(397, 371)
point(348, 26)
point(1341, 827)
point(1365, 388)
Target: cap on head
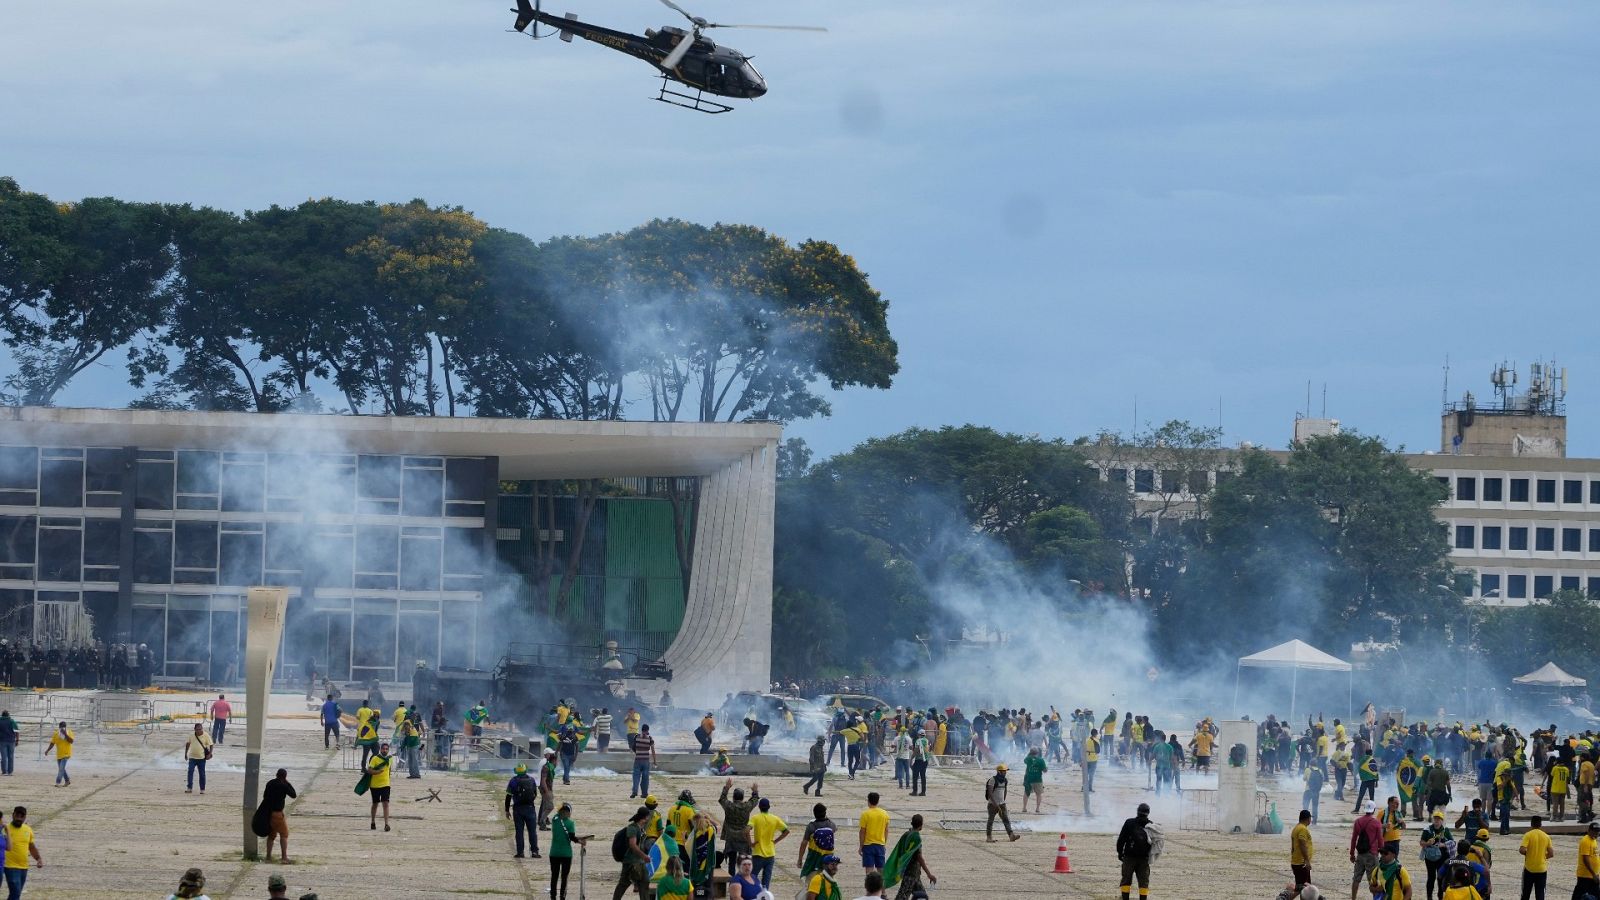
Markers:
point(830, 859)
point(1370, 807)
point(1002, 768)
point(651, 801)
point(276, 883)
point(1483, 834)
point(520, 769)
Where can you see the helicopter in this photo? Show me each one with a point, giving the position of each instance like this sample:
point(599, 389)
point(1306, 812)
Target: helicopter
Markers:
point(683, 56)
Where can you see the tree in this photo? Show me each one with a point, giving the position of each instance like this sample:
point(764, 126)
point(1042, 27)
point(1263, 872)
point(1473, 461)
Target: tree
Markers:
point(103, 281)
point(1337, 541)
point(1560, 630)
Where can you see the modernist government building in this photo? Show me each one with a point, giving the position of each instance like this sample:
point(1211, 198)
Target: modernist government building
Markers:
point(401, 540)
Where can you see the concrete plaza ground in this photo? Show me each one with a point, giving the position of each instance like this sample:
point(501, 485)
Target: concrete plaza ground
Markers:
point(125, 828)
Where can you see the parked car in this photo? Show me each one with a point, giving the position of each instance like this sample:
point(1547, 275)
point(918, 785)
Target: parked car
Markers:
point(861, 703)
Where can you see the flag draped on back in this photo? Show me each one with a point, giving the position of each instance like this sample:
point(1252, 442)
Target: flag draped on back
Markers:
point(1406, 779)
point(662, 850)
point(901, 857)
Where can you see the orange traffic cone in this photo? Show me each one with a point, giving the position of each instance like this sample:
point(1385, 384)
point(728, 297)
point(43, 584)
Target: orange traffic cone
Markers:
point(1063, 864)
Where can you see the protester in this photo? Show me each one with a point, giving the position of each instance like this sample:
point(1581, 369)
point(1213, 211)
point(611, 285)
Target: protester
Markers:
point(547, 790)
point(1588, 883)
point(521, 806)
point(220, 709)
point(817, 842)
point(20, 846)
point(644, 756)
point(411, 744)
point(736, 821)
point(906, 864)
point(8, 742)
point(563, 834)
point(61, 744)
point(1389, 879)
point(600, 721)
point(1536, 855)
point(274, 801)
point(635, 859)
point(1133, 850)
point(1436, 840)
point(631, 724)
point(708, 727)
point(1394, 822)
point(1033, 780)
point(197, 749)
point(379, 768)
point(190, 887)
point(818, 769)
point(330, 723)
point(994, 793)
point(921, 752)
point(277, 888)
point(743, 884)
point(766, 832)
point(1300, 851)
point(1366, 839)
point(824, 884)
point(367, 735)
point(873, 835)
point(1367, 775)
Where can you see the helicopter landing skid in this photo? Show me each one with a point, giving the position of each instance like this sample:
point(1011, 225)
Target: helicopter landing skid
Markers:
point(696, 101)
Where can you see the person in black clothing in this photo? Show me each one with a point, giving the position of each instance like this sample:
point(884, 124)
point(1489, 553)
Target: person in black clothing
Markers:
point(522, 808)
point(273, 798)
point(1133, 848)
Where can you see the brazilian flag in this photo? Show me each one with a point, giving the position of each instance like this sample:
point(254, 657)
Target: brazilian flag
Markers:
point(1406, 778)
point(552, 737)
point(704, 855)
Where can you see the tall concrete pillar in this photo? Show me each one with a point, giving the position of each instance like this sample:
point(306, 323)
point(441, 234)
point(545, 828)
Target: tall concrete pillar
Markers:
point(263, 632)
point(1236, 785)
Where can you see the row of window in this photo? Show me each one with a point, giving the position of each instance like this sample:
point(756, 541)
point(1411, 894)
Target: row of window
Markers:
point(1497, 489)
point(1515, 587)
point(1172, 481)
point(417, 486)
point(1515, 537)
point(370, 557)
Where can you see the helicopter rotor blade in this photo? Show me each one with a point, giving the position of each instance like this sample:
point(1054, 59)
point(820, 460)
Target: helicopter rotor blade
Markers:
point(768, 27)
point(678, 52)
point(683, 12)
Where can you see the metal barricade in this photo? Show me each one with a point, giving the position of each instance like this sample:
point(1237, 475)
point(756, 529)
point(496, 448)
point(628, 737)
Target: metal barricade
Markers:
point(1197, 808)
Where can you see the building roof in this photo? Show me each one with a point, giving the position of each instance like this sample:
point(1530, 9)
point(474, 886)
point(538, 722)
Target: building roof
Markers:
point(527, 448)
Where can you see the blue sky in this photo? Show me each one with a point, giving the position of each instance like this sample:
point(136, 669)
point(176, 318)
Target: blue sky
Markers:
point(1072, 206)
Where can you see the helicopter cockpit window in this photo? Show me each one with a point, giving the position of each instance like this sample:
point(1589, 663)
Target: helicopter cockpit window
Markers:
point(750, 74)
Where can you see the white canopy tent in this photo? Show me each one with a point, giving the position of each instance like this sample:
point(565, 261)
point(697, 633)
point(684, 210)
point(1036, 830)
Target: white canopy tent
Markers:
point(1550, 675)
point(1295, 655)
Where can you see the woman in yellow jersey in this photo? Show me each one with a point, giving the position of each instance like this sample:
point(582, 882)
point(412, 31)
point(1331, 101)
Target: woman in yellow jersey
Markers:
point(674, 885)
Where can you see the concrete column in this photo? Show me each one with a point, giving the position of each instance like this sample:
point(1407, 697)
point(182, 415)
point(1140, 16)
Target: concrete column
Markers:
point(263, 632)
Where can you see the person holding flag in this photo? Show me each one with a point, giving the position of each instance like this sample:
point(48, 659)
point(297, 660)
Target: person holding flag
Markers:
point(906, 866)
point(1367, 774)
point(1406, 776)
point(703, 852)
point(664, 849)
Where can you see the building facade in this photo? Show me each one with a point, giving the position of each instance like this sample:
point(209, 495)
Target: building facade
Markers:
point(401, 540)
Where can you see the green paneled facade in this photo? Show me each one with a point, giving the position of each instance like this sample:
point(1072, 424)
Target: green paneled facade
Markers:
point(628, 588)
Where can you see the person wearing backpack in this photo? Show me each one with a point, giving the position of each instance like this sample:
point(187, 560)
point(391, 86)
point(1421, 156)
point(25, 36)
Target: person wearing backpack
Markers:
point(522, 808)
point(1133, 849)
point(1436, 843)
point(994, 794)
point(817, 842)
point(628, 848)
point(1365, 839)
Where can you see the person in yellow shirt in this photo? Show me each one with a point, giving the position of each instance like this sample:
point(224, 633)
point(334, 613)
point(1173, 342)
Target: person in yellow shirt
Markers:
point(654, 824)
point(1203, 745)
point(1462, 888)
point(1588, 863)
point(824, 885)
point(1560, 774)
point(20, 845)
point(379, 768)
point(674, 885)
point(766, 832)
point(61, 745)
point(874, 836)
point(1394, 822)
point(1300, 851)
point(1536, 855)
point(1389, 880)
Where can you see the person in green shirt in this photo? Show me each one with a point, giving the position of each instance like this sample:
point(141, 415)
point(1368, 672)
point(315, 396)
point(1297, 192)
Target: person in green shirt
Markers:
point(1033, 779)
point(563, 834)
point(674, 885)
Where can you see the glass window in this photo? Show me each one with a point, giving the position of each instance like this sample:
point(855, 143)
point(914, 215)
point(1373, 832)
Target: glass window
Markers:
point(1594, 588)
point(243, 487)
point(1489, 585)
point(1544, 539)
point(241, 558)
point(332, 552)
point(1117, 476)
point(1199, 481)
point(19, 468)
point(196, 545)
point(424, 493)
point(420, 562)
point(464, 479)
point(1171, 481)
point(458, 634)
point(102, 541)
point(284, 546)
point(1519, 538)
point(378, 548)
point(1572, 540)
point(461, 551)
point(378, 477)
point(1519, 490)
point(153, 485)
point(1517, 587)
point(61, 483)
point(374, 644)
point(1466, 488)
point(1492, 488)
point(199, 472)
point(1543, 586)
point(1464, 537)
point(1594, 492)
point(1571, 491)
point(1569, 583)
point(152, 556)
point(1547, 490)
point(61, 554)
point(18, 539)
point(1144, 480)
point(1491, 537)
point(103, 470)
point(419, 639)
point(1594, 540)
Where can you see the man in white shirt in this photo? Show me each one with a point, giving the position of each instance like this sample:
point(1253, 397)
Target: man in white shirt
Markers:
point(874, 887)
